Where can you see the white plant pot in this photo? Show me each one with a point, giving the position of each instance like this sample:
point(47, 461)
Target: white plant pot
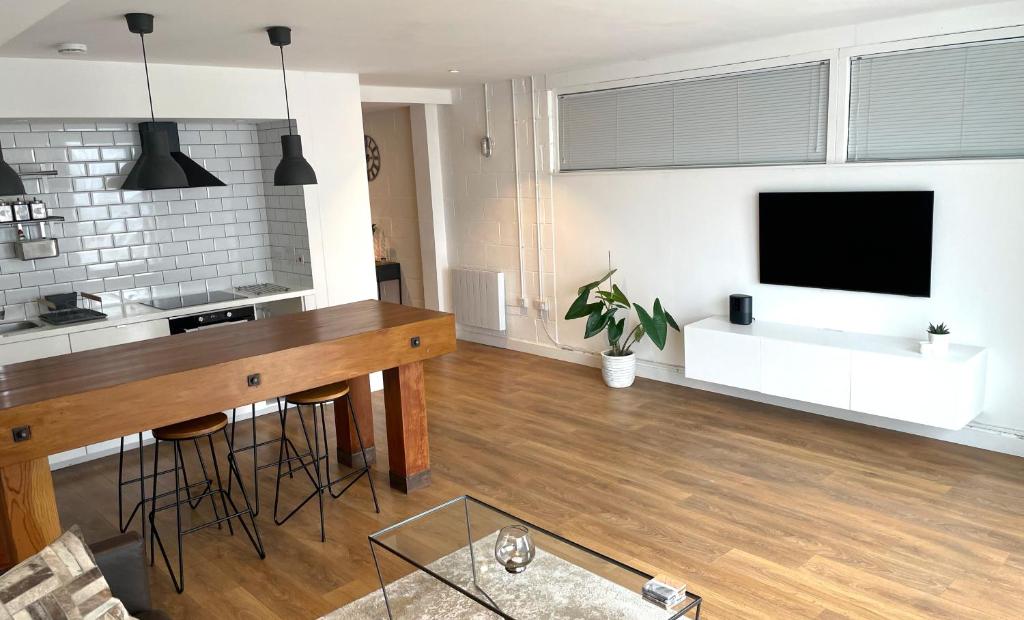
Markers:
point(618, 370)
point(940, 343)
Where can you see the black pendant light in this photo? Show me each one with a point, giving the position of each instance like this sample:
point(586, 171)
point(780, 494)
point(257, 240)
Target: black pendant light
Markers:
point(293, 169)
point(162, 165)
point(10, 182)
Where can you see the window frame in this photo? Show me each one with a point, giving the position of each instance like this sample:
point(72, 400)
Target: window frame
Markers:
point(840, 90)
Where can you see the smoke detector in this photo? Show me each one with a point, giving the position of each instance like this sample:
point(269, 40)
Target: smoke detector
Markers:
point(72, 49)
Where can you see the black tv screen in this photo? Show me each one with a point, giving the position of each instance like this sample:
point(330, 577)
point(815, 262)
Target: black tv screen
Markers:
point(876, 242)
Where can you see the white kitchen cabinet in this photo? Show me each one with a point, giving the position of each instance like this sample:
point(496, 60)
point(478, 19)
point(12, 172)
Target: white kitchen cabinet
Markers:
point(877, 375)
point(119, 334)
point(68, 457)
point(38, 348)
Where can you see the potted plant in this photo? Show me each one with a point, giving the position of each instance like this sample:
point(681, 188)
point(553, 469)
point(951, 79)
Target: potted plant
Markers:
point(618, 363)
point(938, 335)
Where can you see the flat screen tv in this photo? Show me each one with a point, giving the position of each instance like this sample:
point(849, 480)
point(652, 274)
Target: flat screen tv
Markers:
point(876, 242)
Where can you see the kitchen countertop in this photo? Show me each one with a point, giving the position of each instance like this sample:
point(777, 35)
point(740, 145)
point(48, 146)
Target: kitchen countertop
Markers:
point(135, 312)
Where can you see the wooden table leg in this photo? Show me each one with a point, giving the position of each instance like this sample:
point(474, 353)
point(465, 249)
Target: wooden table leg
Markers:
point(406, 409)
point(28, 510)
point(345, 434)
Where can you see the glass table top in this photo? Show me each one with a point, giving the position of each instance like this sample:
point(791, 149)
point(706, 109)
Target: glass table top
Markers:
point(427, 565)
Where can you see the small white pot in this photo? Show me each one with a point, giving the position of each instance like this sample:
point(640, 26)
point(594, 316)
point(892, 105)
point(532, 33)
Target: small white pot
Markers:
point(618, 370)
point(940, 343)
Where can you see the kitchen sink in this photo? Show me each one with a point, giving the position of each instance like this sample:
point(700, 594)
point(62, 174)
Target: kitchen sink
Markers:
point(16, 326)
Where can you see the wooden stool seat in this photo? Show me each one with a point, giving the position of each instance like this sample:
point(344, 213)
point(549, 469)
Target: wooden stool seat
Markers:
point(192, 429)
point(317, 395)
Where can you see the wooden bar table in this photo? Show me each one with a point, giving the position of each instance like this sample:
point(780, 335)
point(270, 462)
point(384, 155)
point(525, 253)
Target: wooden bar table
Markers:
point(68, 401)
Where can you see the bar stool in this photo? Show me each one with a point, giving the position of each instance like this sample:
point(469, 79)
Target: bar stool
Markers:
point(176, 434)
point(138, 508)
point(235, 450)
point(319, 460)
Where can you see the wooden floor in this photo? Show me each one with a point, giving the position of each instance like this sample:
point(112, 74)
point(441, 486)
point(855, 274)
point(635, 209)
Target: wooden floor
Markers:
point(766, 512)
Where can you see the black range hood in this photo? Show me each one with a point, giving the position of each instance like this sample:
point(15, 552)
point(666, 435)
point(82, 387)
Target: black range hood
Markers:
point(195, 175)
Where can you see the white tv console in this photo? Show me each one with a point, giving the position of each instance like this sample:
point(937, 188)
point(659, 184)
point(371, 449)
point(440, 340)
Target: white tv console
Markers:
point(879, 375)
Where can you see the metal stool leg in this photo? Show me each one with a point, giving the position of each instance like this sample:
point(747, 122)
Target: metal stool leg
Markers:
point(152, 509)
point(315, 460)
point(362, 450)
point(220, 486)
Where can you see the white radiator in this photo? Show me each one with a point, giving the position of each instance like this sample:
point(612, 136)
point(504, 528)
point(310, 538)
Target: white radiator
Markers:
point(479, 298)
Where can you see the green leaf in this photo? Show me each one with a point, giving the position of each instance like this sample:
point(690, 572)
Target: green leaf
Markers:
point(586, 288)
point(618, 296)
point(671, 322)
point(655, 326)
point(615, 330)
point(580, 308)
point(596, 322)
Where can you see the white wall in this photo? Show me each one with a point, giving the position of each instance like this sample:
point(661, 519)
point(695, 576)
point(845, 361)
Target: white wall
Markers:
point(689, 236)
point(393, 205)
point(326, 107)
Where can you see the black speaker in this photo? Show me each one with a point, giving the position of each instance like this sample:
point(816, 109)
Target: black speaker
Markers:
point(741, 309)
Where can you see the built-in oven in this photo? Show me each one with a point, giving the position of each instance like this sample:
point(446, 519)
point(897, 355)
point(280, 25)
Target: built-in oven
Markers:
point(208, 320)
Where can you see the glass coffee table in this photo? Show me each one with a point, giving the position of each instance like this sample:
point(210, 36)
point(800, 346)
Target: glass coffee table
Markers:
point(444, 563)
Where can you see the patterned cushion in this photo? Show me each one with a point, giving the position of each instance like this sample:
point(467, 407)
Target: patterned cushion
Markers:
point(61, 581)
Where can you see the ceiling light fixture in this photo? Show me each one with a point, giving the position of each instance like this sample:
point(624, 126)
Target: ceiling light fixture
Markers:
point(293, 169)
point(10, 182)
point(453, 70)
point(161, 165)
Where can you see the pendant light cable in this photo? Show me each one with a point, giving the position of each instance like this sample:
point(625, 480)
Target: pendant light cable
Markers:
point(149, 89)
point(284, 78)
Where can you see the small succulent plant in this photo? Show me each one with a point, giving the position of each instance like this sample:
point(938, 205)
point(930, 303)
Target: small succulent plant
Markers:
point(939, 330)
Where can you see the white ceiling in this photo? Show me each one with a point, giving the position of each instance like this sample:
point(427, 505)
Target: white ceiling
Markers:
point(415, 42)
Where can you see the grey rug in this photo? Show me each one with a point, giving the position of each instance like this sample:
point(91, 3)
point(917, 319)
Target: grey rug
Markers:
point(549, 588)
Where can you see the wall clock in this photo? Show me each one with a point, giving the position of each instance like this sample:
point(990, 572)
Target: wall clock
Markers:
point(372, 158)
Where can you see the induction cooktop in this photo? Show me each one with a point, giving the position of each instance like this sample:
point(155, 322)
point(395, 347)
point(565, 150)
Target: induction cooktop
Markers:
point(194, 299)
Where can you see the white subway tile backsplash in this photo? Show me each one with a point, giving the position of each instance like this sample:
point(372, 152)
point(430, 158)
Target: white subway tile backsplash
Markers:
point(85, 257)
point(154, 208)
point(98, 138)
point(110, 255)
point(131, 267)
point(145, 251)
point(120, 153)
point(110, 226)
point(44, 126)
point(106, 198)
point(156, 236)
point(69, 274)
point(126, 210)
point(87, 184)
point(83, 154)
point(102, 271)
point(31, 139)
point(65, 138)
point(99, 169)
point(128, 239)
point(93, 213)
point(118, 284)
point(35, 278)
point(95, 242)
point(185, 234)
point(129, 244)
point(189, 260)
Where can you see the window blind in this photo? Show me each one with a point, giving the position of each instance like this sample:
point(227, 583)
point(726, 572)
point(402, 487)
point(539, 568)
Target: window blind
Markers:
point(953, 102)
point(771, 116)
